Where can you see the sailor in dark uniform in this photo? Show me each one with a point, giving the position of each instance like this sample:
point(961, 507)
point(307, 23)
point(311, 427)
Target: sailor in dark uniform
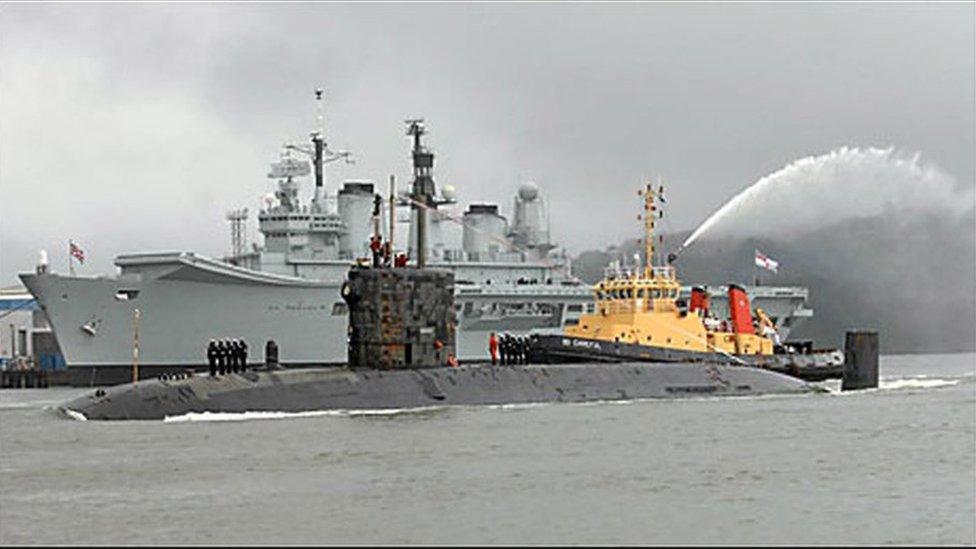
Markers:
point(228, 357)
point(235, 353)
point(503, 350)
point(243, 355)
point(221, 357)
point(515, 350)
point(512, 349)
point(212, 357)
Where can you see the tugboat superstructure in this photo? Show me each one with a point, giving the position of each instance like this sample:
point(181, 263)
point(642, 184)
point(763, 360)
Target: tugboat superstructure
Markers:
point(642, 307)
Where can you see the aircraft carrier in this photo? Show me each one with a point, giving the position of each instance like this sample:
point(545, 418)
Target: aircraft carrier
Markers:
point(507, 279)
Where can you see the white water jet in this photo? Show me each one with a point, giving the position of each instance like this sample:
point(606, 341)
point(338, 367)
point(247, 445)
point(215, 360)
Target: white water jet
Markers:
point(845, 183)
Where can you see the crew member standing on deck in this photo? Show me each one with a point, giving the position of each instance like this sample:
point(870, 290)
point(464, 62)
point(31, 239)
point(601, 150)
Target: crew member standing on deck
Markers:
point(236, 346)
point(229, 345)
point(239, 355)
point(513, 350)
point(229, 354)
point(212, 357)
point(231, 357)
point(239, 358)
point(221, 357)
point(376, 249)
point(243, 356)
point(503, 349)
point(493, 348)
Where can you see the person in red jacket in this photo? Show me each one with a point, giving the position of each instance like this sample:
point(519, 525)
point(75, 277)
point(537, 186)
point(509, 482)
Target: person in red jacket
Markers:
point(493, 347)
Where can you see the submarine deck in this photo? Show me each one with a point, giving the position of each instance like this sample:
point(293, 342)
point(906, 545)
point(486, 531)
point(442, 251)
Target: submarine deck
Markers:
point(343, 388)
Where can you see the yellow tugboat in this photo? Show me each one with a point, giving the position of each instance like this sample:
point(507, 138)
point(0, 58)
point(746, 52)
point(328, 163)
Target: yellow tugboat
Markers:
point(638, 315)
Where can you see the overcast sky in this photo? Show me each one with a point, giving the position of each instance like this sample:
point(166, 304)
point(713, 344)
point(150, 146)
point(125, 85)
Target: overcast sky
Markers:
point(135, 127)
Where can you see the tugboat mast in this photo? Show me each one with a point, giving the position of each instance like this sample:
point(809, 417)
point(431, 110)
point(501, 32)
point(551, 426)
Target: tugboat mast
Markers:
point(650, 213)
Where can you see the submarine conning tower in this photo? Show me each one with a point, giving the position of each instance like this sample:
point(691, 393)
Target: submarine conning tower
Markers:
point(399, 316)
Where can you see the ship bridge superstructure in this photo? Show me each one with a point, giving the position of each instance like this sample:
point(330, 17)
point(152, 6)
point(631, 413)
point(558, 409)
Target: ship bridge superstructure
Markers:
point(319, 239)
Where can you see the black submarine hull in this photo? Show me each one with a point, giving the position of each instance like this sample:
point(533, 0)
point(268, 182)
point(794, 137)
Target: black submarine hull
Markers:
point(343, 388)
point(808, 366)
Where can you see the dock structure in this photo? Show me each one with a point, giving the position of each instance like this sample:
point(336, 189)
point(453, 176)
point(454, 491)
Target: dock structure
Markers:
point(33, 378)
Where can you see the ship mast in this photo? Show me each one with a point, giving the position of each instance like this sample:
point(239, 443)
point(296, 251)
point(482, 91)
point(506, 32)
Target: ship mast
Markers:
point(423, 191)
point(650, 214)
point(320, 154)
point(318, 142)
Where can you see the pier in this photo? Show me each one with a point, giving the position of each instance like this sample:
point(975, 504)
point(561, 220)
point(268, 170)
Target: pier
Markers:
point(33, 378)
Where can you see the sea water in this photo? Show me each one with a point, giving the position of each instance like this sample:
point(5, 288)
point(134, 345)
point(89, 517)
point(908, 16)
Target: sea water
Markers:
point(891, 465)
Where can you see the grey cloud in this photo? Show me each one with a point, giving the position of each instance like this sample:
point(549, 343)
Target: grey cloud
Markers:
point(134, 126)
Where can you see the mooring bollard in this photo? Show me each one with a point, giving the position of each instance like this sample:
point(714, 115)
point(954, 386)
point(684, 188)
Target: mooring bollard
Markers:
point(271, 355)
point(860, 360)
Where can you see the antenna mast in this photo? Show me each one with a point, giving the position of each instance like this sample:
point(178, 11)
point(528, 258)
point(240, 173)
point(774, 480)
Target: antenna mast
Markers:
point(650, 213)
point(423, 192)
point(318, 143)
point(320, 154)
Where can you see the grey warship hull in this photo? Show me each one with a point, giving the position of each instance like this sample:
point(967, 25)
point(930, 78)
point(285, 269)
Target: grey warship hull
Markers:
point(343, 388)
point(186, 299)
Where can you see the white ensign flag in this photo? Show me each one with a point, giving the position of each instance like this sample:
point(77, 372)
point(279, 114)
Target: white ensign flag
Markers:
point(764, 261)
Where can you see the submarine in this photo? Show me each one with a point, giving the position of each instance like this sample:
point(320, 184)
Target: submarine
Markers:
point(401, 350)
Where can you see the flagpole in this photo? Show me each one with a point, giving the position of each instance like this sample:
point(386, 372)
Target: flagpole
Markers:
point(71, 264)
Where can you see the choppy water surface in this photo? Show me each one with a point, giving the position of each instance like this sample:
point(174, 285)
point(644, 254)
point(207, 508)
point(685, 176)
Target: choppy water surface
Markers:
point(895, 465)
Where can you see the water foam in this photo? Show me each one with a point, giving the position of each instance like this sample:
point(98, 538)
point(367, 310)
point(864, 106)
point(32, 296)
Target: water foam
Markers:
point(258, 415)
point(845, 183)
point(916, 383)
point(77, 416)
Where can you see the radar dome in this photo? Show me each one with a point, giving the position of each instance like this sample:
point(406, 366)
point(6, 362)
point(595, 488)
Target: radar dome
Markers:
point(449, 192)
point(528, 191)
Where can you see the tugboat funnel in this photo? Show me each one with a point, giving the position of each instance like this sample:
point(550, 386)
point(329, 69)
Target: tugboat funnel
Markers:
point(739, 310)
point(699, 300)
